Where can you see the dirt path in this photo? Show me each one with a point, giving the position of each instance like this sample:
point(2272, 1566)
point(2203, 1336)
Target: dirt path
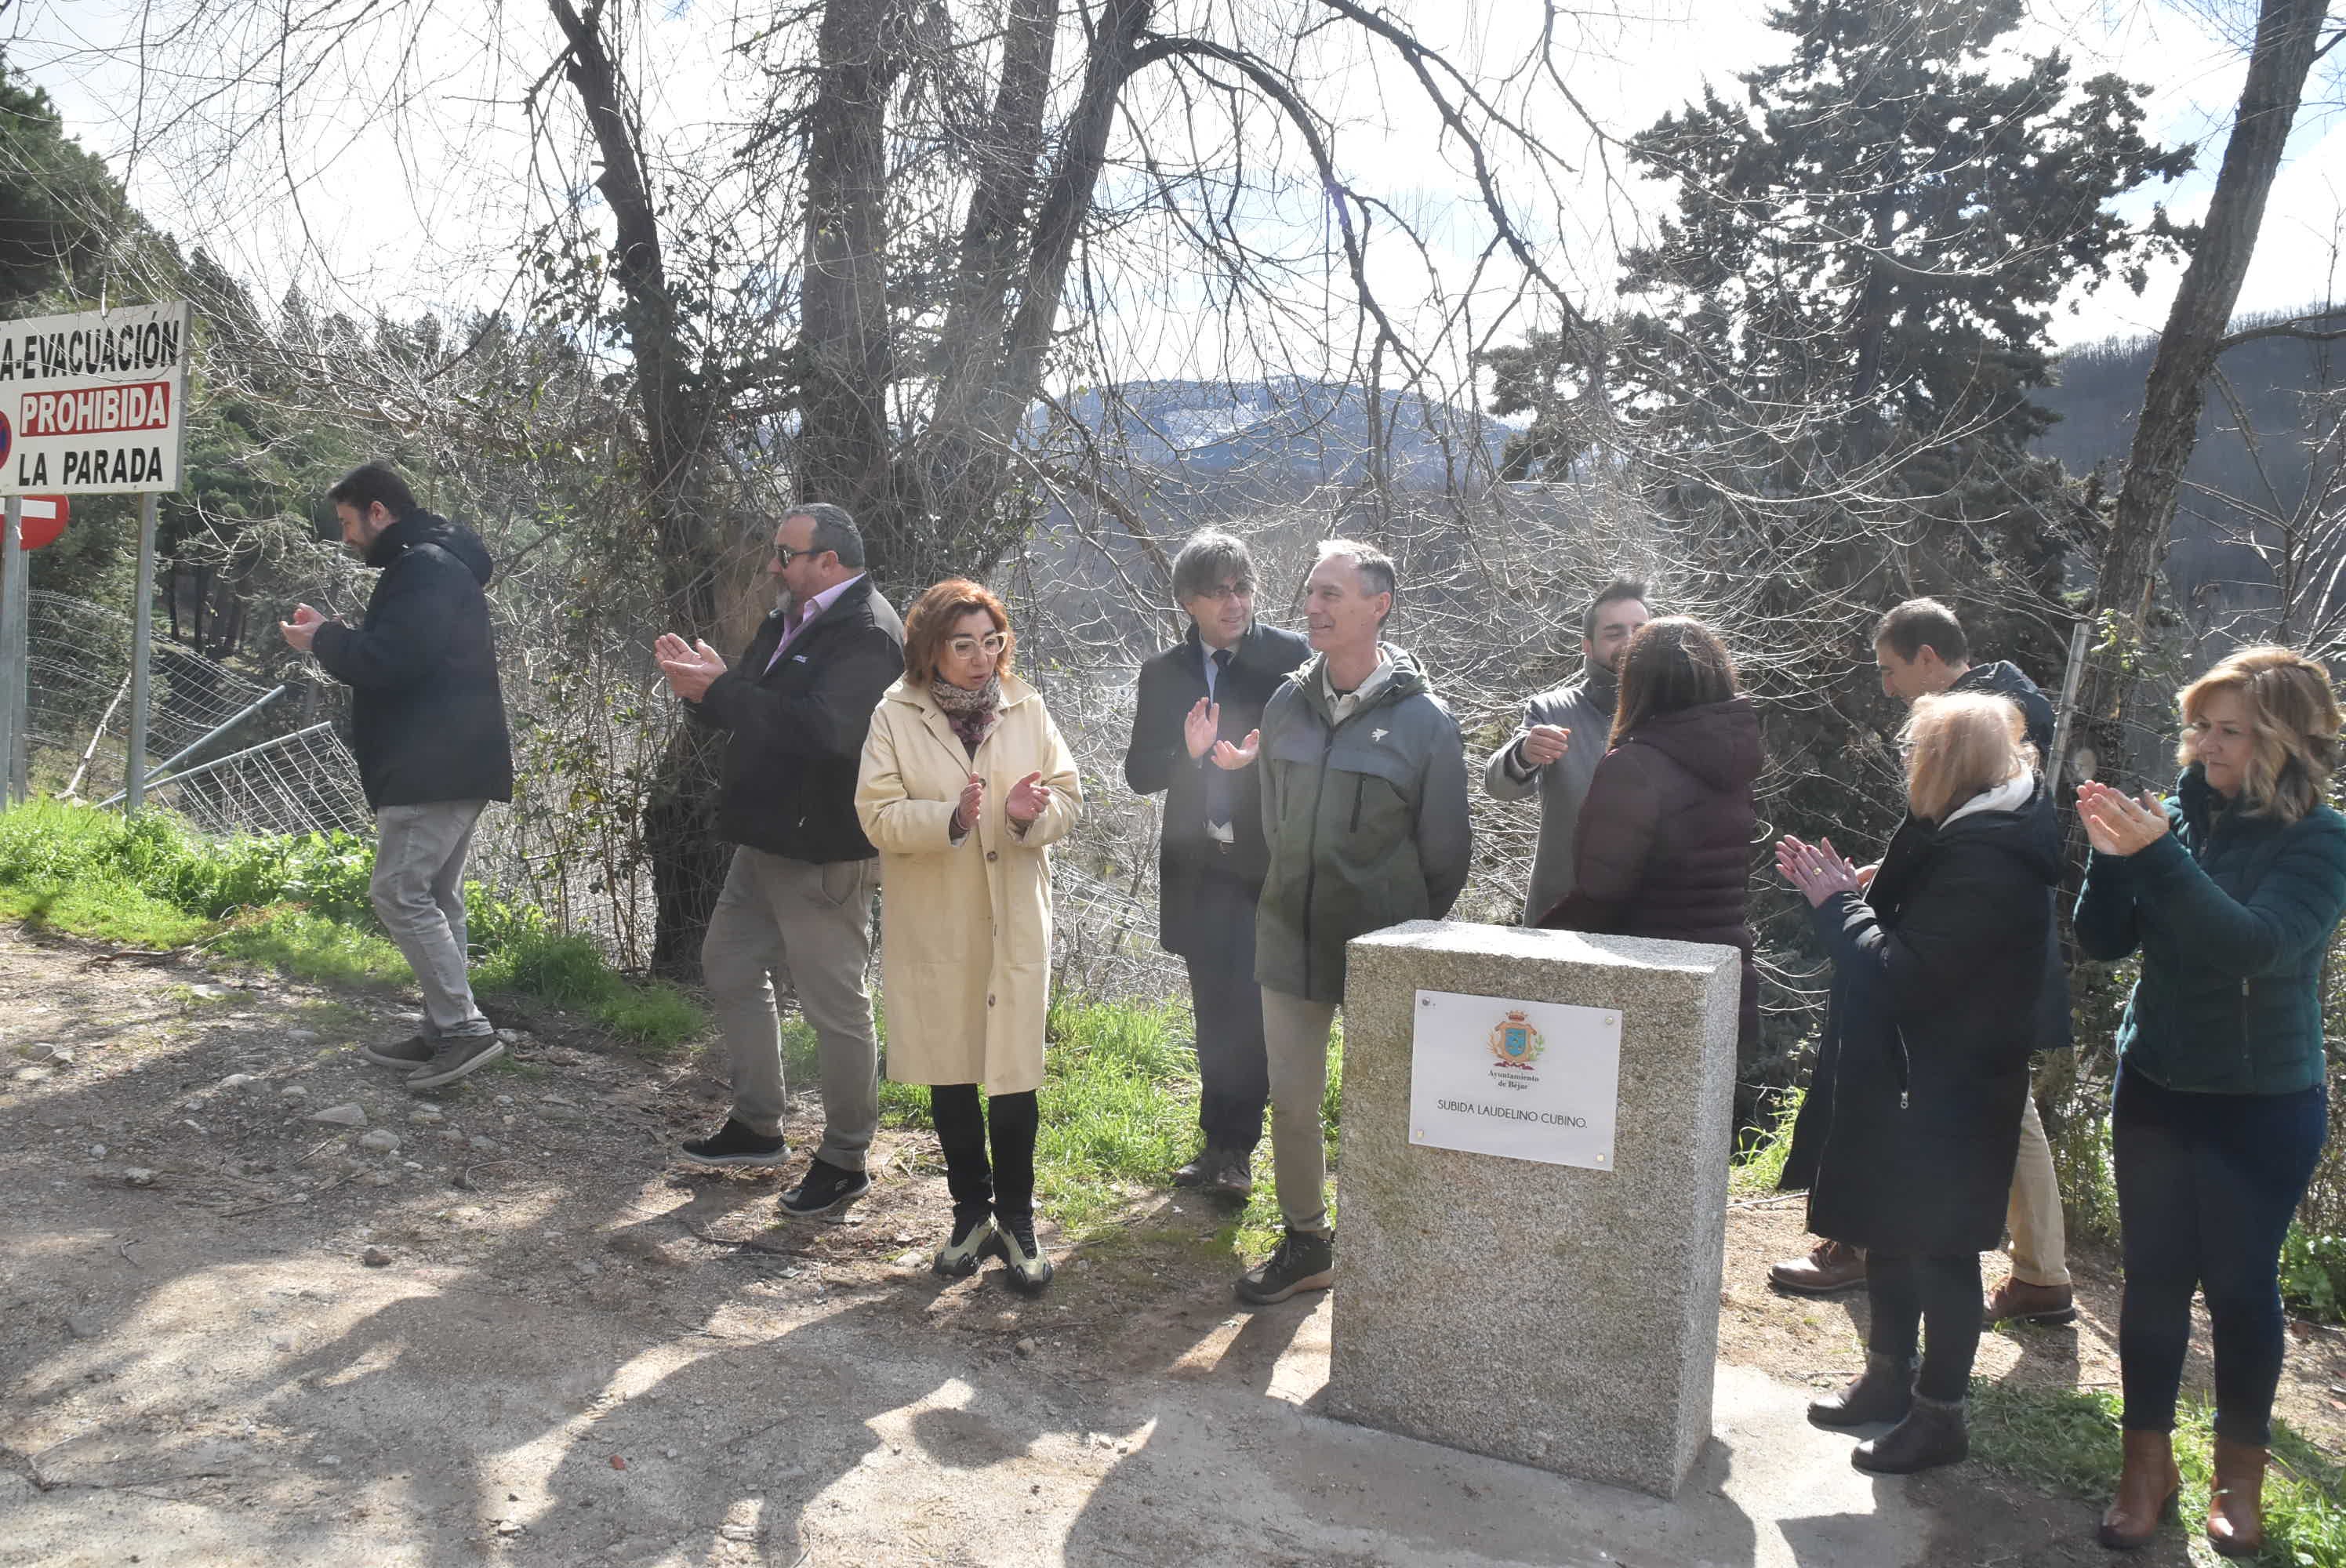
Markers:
point(238, 1333)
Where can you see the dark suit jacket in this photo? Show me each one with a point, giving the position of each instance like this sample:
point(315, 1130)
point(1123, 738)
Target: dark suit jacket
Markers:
point(1159, 759)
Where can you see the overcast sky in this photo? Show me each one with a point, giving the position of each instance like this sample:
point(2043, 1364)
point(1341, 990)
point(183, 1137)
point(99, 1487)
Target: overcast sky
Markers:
point(418, 210)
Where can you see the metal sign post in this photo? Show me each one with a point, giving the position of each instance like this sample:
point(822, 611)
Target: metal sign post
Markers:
point(15, 646)
point(142, 625)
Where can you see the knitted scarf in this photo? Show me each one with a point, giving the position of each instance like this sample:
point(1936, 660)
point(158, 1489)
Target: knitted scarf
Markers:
point(971, 713)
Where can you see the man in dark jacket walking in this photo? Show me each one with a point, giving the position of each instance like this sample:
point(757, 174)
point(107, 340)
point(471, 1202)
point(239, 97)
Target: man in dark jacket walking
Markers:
point(1212, 687)
point(1919, 649)
point(797, 901)
point(428, 729)
point(1364, 814)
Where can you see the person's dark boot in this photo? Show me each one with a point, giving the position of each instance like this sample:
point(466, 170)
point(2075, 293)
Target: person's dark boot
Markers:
point(1200, 1168)
point(1233, 1179)
point(1303, 1260)
point(2018, 1301)
point(2148, 1484)
point(1884, 1392)
point(1934, 1433)
point(2235, 1502)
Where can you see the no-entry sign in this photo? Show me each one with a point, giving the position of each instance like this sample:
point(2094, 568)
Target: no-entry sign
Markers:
point(91, 403)
point(43, 519)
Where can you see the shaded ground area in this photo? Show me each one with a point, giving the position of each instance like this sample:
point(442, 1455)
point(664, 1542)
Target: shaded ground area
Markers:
point(237, 1334)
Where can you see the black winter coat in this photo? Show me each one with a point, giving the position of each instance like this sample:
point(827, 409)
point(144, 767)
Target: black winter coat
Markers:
point(2006, 679)
point(1921, 1070)
point(427, 715)
point(797, 730)
point(1664, 838)
point(1159, 759)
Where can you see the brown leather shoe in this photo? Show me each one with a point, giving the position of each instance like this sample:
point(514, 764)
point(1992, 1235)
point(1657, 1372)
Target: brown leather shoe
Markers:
point(2018, 1301)
point(2148, 1485)
point(1831, 1265)
point(2236, 1502)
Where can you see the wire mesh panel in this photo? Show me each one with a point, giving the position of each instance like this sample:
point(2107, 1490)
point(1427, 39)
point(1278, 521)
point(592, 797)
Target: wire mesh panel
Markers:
point(306, 783)
point(80, 685)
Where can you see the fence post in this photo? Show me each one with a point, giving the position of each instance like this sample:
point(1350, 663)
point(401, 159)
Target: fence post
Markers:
point(142, 625)
point(15, 649)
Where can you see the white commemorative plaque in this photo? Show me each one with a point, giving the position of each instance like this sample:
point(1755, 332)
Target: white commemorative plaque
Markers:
point(1528, 1079)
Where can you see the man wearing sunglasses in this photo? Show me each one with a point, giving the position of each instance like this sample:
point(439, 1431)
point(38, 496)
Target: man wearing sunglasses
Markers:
point(797, 901)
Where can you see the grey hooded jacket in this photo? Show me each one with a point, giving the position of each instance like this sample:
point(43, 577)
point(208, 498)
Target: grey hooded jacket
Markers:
point(1584, 706)
point(1365, 819)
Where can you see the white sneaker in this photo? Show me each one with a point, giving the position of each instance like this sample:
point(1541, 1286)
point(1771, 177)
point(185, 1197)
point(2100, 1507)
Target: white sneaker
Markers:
point(959, 1257)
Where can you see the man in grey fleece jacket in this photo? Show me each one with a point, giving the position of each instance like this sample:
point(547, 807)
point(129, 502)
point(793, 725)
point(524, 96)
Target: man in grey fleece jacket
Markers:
point(1563, 736)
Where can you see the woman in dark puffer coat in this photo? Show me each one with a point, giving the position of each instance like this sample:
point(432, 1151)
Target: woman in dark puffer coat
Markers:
point(1664, 837)
point(1931, 963)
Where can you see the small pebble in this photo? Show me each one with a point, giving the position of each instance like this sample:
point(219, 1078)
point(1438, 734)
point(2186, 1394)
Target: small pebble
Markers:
point(138, 1176)
point(382, 1139)
point(375, 1257)
point(97, 1151)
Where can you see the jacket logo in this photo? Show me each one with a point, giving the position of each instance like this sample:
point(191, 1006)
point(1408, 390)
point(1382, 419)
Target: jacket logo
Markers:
point(1379, 734)
point(798, 659)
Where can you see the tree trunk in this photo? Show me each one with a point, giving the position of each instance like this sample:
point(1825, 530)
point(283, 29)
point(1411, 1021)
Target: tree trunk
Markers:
point(688, 862)
point(2287, 34)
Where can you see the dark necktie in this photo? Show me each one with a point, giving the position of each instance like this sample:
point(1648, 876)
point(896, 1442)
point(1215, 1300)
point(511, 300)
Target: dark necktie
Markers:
point(1218, 780)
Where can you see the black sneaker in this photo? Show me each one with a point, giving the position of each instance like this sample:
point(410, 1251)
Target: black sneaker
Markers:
point(458, 1055)
point(1015, 1245)
point(1303, 1260)
point(825, 1188)
point(972, 1238)
point(735, 1144)
point(411, 1052)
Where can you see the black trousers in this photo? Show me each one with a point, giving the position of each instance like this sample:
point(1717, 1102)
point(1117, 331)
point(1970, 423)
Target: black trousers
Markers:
point(1933, 1299)
point(1007, 1184)
point(2206, 1186)
point(1233, 1073)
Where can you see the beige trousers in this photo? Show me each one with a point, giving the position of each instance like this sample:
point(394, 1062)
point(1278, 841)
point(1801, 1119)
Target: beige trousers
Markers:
point(1295, 1041)
point(2040, 1253)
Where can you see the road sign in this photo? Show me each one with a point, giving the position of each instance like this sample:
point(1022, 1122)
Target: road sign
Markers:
point(91, 404)
point(44, 519)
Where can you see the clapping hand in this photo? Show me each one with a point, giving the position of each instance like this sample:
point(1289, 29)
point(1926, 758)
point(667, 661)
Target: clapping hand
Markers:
point(691, 669)
point(1200, 728)
point(2117, 826)
point(1544, 744)
point(1817, 870)
point(303, 630)
point(1230, 758)
point(1030, 798)
point(971, 805)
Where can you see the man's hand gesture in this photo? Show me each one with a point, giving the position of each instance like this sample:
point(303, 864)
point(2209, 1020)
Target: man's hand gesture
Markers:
point(1233, 758)
point(1544, 744)
point(691, 669)
point(1202, 727)
point(303, 630)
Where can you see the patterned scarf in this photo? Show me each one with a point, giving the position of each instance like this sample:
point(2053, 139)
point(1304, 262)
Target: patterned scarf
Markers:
point(971, 713)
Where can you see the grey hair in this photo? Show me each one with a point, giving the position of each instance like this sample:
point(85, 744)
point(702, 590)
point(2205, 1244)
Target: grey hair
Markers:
point(1207, 558)
point(834, 531)
point(1374, 566)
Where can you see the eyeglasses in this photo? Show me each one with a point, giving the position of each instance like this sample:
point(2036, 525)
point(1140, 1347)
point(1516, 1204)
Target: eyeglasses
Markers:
point(966, 647)
point(1226, 591)
point(784, 555)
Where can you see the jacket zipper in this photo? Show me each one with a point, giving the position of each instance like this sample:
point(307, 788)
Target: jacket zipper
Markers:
point(1906, 1068)
point(1311, 859)
point(2247, 1061)
point(1360, 782)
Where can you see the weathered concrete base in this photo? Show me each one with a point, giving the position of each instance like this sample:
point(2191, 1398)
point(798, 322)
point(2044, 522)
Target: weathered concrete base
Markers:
point(1555, 1315)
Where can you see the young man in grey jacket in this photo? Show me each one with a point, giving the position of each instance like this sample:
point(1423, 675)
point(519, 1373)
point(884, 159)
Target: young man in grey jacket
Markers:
point(1365, 812)
point(1556, 752)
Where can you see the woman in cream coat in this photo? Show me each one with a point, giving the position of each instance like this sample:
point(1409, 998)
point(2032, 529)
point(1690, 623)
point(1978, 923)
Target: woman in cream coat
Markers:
point(965, 784)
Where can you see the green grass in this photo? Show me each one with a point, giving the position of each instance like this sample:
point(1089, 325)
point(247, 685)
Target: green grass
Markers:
point(1761, 1152)
point(299, 905)
point(2066, 1441)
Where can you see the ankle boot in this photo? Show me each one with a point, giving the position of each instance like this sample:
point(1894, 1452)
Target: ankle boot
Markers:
point(2236, 1502)
point(1934, 1433)
point(1883, 1393)
point(2147, 1484)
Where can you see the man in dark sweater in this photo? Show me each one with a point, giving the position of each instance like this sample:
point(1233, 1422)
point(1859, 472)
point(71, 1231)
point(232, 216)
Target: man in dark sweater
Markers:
point(1212, 687)
point(428, 729)
point(797, 901)
point(1921, 650)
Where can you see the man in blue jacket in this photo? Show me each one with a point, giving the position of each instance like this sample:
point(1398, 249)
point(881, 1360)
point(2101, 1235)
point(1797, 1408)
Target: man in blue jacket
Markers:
point(1208, 688)
point(428, 729)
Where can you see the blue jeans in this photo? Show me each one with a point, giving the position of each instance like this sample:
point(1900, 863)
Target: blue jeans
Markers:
point(2206, 1186)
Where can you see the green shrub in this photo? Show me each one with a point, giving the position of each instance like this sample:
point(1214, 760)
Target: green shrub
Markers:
point(1761, 1152)
point(2313, 1273)
point(657, 1016)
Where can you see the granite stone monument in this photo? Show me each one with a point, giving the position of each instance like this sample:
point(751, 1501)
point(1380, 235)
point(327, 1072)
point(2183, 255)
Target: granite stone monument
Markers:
point(1562, 1315)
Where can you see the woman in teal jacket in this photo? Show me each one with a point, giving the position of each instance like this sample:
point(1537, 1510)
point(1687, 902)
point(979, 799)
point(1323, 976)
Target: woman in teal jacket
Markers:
point(2230, 891)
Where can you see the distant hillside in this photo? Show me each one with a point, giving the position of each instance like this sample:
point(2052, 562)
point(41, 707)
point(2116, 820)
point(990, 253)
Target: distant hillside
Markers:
point(1288, 431)
point(2100, 393)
